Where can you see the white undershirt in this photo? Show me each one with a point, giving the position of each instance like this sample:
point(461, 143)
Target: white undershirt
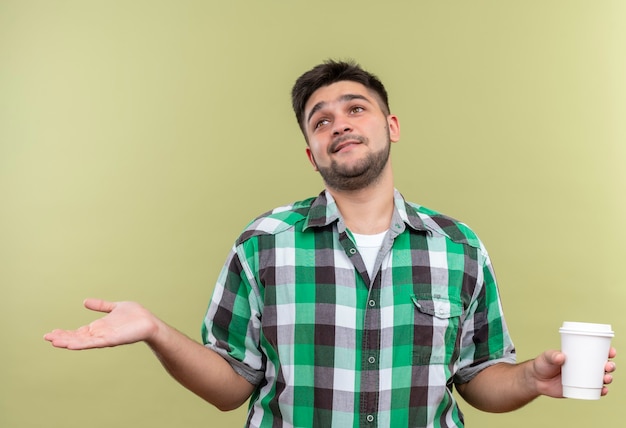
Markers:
point(369, 246)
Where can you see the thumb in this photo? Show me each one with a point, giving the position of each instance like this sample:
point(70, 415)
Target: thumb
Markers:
point(553, 357)
point(99, 305)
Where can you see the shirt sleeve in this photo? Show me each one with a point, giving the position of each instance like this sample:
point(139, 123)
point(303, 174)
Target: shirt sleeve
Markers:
point(485, 338)
point(232, 324)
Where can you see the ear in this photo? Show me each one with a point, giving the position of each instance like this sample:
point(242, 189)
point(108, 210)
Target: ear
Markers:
point(311, 158)
point(394, 128)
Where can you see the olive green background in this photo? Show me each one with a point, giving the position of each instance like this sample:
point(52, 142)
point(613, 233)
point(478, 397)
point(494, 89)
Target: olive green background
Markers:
point(137, 138)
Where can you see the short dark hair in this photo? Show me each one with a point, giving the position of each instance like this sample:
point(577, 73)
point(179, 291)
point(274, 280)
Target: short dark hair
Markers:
point(328, 73)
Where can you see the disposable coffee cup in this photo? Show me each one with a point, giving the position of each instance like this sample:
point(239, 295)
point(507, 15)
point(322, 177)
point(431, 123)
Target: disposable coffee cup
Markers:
point(586, 348)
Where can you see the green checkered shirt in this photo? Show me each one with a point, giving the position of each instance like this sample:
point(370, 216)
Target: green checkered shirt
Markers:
point(296, 314)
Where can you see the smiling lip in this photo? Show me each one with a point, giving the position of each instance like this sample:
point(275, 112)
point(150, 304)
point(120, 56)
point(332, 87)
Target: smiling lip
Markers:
point(342, 143)
point(342, 146)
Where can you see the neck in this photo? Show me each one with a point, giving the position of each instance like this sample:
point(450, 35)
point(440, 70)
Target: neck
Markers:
point(367, 211)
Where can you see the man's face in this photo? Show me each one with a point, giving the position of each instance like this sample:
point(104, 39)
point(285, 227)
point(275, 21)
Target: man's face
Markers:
point(348, 135)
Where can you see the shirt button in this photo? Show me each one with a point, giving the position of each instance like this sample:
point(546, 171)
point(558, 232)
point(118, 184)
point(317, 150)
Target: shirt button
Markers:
point(352, 251)
point(441, 312)
point(372, 303)
point(371, 360)
point(370, 418)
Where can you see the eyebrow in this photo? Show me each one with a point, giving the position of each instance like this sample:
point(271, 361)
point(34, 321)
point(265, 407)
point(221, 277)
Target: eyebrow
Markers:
point(343, 98)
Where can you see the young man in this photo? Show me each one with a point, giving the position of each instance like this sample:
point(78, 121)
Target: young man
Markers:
point(354, 308)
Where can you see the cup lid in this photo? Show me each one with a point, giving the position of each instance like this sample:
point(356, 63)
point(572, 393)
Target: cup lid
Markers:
point(586, 327)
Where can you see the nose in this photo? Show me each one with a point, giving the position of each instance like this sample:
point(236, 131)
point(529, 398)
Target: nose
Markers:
point(342, 126)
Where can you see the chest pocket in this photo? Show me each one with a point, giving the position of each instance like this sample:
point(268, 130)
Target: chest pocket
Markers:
point(437, 305)
point(437, 321)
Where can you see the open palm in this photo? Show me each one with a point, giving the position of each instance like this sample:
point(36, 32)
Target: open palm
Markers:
point(125, 323)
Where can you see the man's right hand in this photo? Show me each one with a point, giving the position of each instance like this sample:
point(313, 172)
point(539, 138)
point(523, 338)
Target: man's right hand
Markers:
point(196, 367)
point(125, 323)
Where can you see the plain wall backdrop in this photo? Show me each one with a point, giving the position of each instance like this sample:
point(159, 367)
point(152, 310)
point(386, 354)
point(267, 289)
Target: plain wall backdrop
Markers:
point(137, 138)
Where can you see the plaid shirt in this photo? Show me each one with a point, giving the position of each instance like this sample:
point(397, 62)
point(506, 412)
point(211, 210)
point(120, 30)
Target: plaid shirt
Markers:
point(295, 313)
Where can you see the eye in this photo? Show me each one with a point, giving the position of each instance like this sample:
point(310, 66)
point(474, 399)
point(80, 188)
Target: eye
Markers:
point(356, 109)
point(321, 123)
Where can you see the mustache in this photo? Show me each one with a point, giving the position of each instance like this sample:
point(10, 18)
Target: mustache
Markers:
point(347, 137)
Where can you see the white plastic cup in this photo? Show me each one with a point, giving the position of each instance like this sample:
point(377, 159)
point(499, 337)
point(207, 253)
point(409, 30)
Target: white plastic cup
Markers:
point(586, 348)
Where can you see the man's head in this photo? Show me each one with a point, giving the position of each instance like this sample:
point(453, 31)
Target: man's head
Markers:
point(344, 115)
point(331, 72)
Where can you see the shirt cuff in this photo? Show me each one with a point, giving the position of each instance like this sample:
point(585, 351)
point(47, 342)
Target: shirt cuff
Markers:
point(242, 369)
point(468, 373)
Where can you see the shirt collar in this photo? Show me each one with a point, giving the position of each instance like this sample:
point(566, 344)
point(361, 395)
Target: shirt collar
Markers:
point(324, 211)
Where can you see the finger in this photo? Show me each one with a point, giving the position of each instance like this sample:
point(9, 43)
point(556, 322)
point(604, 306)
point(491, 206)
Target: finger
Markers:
point(52, 335)
point(99, 305)
point(612, 352)
point(609, 367)
point(74, 340)
point(555, 357)
point(608, 379)
point(58, 338)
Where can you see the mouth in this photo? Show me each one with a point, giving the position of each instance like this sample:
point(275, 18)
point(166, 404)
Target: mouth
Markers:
point(345, 142)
